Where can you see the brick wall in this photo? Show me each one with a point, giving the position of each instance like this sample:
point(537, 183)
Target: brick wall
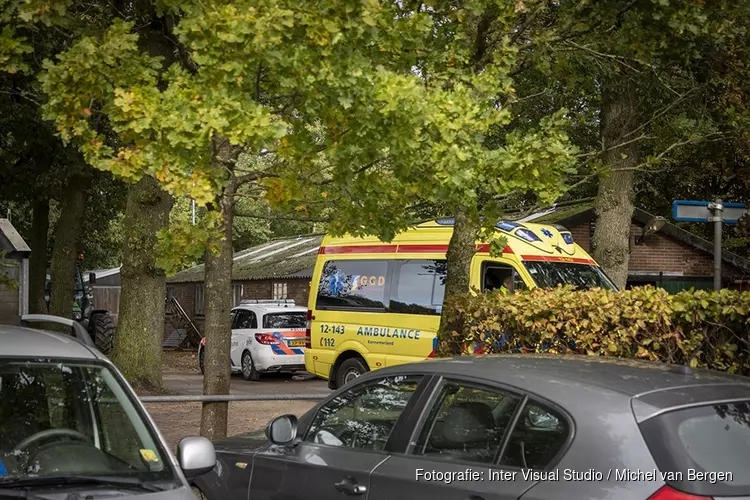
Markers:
point(660, 253)
point(581, 235)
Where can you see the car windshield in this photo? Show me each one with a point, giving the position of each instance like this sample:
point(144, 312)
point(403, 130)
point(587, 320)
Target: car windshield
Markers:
point(72, 419)
point(551, 274)
point(285, 320)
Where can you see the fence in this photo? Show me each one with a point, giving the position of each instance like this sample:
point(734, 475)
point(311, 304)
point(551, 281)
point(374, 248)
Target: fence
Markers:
point(246, 413)
point(221, 398)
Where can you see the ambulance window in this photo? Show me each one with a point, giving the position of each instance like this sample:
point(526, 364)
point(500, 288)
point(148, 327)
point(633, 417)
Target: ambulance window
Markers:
point(500, 276)
point(584, 276)
point(418, 286)
point(354, 284)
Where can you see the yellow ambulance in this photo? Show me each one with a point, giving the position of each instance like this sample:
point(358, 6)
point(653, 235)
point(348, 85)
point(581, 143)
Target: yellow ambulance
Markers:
point(374, 304)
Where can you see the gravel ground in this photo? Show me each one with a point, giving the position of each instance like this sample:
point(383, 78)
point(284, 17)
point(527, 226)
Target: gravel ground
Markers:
point(178, 420)
point(180, 361)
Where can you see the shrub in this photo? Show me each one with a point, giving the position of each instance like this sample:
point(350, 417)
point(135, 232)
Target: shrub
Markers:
point(699, 328)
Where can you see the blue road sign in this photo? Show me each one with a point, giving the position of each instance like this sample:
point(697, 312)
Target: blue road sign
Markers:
point(701, 211)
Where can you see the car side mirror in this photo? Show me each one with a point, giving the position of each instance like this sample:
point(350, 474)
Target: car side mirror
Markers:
point(282, 430)
point(196, 456)
point(92, 278)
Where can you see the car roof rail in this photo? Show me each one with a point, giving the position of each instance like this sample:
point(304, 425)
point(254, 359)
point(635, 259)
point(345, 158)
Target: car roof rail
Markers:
point(79, 332)
point(279, 302)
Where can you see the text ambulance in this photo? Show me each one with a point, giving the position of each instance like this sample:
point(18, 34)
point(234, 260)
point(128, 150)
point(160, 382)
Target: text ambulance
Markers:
point(374, 304)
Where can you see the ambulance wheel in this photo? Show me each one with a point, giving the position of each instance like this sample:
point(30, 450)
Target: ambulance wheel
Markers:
point(350, 370)
point(248, 368)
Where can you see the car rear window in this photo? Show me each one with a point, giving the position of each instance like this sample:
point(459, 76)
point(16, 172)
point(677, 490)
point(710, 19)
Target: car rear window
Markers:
point(285, 320)
point(707, 448)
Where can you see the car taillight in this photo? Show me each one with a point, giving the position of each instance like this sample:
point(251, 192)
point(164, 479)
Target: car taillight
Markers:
point(266, 338)
point(667, 493)
point(308, 330)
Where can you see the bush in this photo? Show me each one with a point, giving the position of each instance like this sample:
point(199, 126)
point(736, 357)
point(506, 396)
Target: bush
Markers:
point(704, 329)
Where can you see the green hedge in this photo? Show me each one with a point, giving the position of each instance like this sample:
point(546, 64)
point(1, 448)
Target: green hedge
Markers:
point(701, 328)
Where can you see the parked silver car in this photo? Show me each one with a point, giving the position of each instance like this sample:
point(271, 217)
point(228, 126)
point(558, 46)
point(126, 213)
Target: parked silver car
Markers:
point(72, 427)
point(504, 428)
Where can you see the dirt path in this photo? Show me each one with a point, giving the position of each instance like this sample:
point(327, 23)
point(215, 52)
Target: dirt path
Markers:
point(182, 376)
point(178, 420)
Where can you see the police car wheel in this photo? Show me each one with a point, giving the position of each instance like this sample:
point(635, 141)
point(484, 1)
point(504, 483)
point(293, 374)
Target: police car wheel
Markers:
point(248, 367)
point(350, 370)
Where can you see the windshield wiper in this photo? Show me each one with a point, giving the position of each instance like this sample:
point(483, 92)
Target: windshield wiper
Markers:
point(113, 481)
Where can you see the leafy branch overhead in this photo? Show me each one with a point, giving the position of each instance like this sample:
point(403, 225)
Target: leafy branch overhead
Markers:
point(383, 105)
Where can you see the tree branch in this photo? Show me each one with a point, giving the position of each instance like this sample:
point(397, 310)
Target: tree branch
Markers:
point(617, 146)
point(614, 57)
point(22, 95)
point(257, 82)
point(672, 147)
point(663, 111)
point(254, 176)
point(356, 172)
point(279, 217)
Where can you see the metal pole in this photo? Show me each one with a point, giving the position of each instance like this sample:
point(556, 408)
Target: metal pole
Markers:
point(717, 209)
point(193, 205)
point(220, 398)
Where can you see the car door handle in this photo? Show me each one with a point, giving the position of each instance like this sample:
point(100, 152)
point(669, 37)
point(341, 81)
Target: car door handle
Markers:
point(349, 486)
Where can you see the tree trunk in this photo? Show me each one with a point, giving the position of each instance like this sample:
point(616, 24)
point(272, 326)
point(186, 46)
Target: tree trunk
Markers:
point(38, 260)
point(460, 252)
point(64, 252)
point(218, 300)
point(140, 326)
point(614, 201)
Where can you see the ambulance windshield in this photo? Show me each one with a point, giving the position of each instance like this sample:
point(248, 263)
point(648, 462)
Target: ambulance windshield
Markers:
point(551, 274)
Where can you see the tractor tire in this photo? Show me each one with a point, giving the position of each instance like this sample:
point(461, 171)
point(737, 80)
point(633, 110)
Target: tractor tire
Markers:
point(103, 332)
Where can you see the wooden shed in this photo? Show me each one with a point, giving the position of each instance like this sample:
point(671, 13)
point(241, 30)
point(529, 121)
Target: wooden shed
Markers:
point(14, 274)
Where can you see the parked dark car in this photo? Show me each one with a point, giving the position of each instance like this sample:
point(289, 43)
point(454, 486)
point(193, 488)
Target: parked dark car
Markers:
point(504, 427)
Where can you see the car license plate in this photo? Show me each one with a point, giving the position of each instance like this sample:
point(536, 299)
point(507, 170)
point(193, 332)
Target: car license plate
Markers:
point(297, 343)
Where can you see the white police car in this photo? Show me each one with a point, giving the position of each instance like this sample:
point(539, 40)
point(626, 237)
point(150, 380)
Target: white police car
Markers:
point(267, 336)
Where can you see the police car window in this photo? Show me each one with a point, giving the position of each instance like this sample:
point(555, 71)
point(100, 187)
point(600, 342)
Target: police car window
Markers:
point(356, 284)
point(418, 286)
point(364, 416)
point(245, 319)
point(538, 436)
point(285, 320)
point(467, 424)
